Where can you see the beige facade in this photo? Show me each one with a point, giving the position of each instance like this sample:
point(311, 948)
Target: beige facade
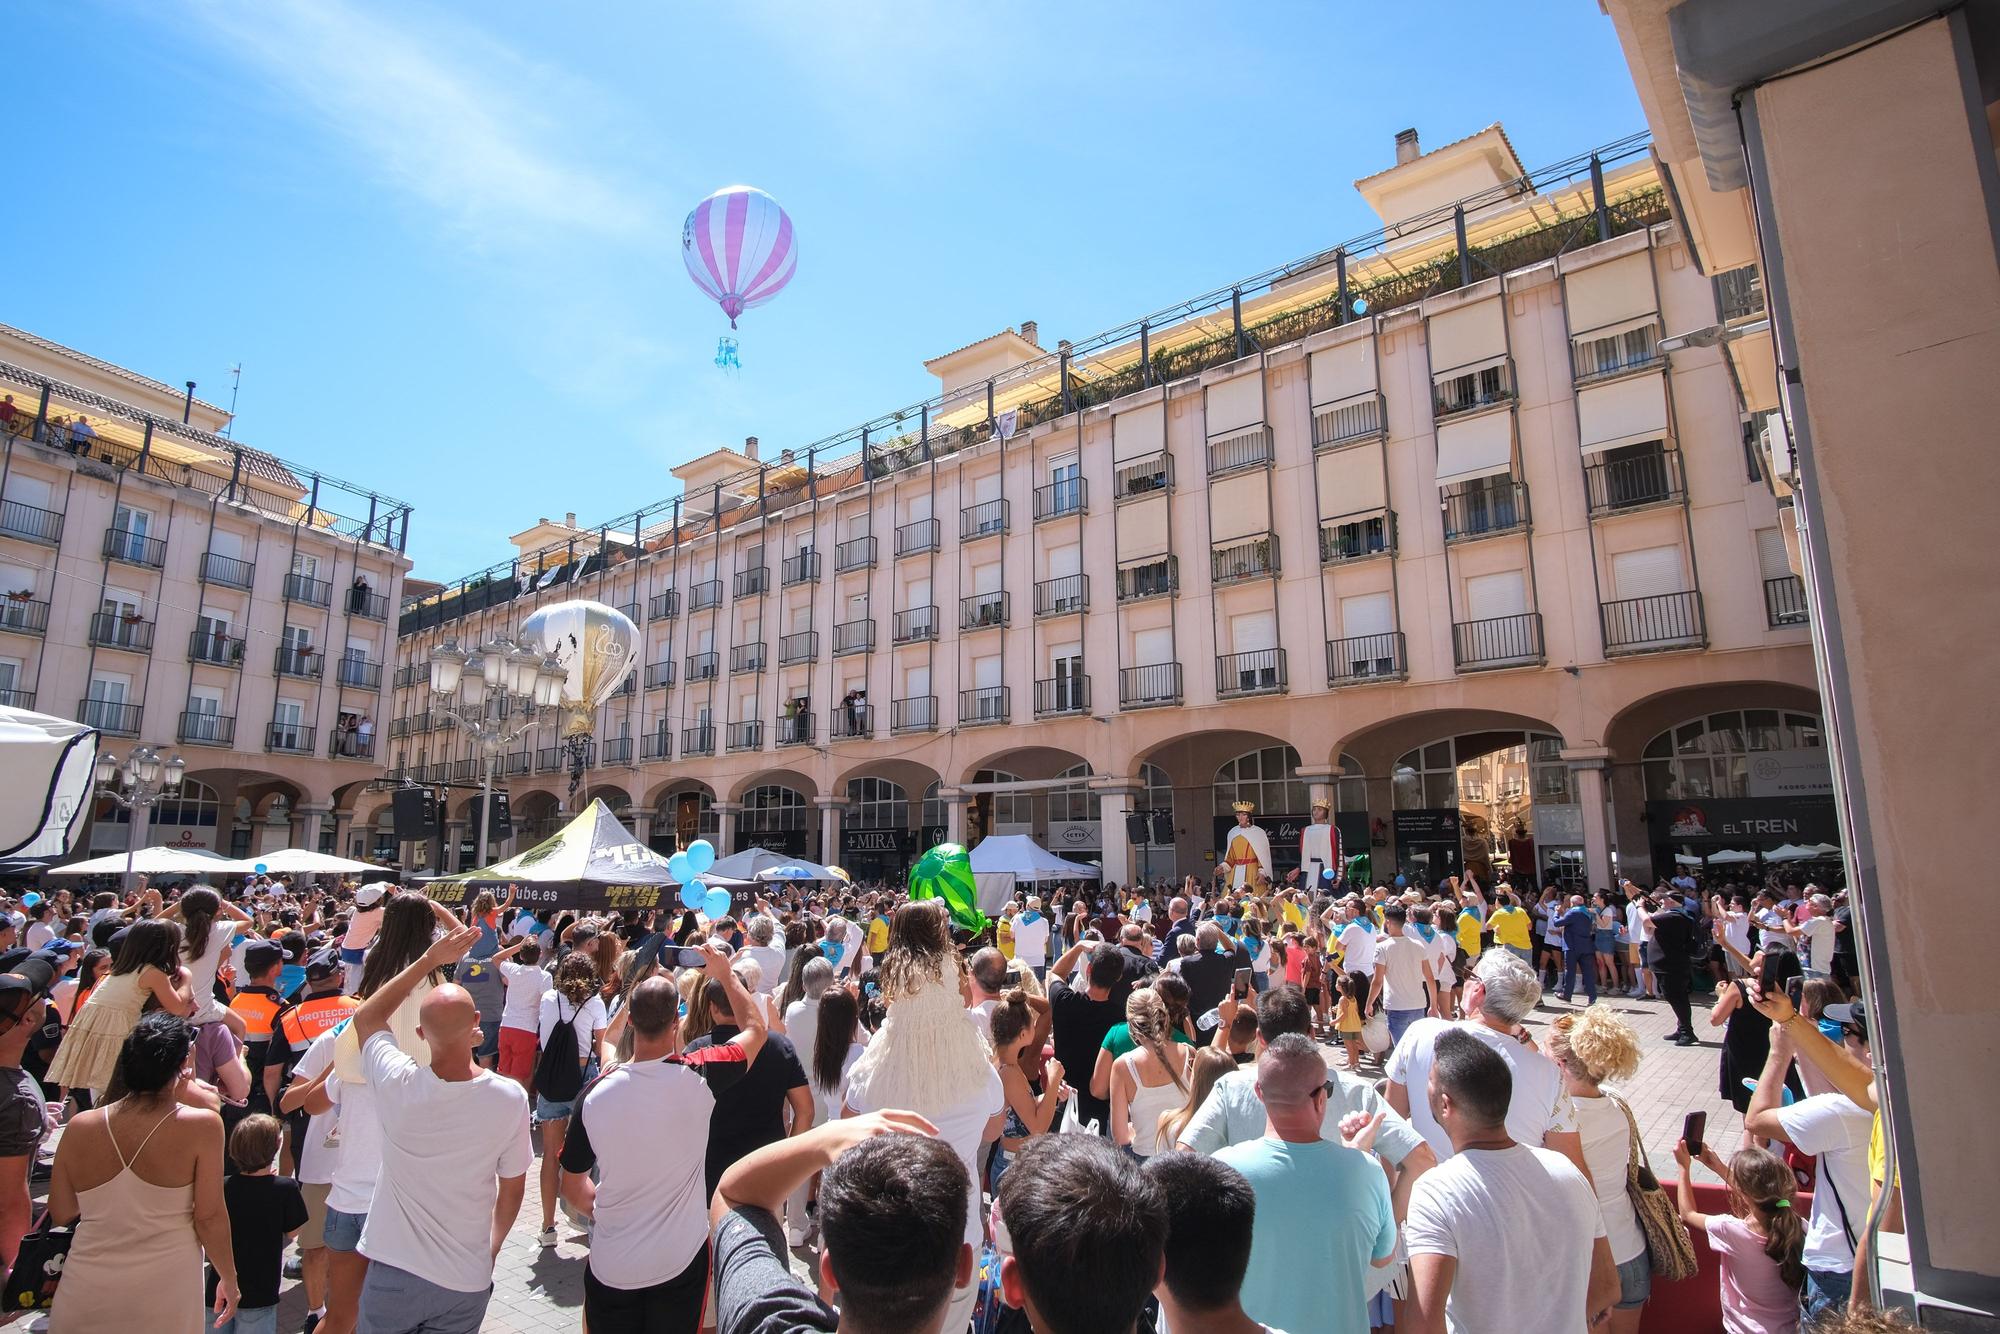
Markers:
point(172, 587)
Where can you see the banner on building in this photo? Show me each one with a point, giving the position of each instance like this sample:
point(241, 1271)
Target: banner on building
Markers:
point(1791, 773)
point(1067, 836)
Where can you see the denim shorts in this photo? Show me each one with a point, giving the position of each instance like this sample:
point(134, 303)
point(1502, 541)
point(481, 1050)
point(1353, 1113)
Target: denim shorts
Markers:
point(343, 1231)
point(548, 1110)
point(255, 1320)
point(1635, 1281)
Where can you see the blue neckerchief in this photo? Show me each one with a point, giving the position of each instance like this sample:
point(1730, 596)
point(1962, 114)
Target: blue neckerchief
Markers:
point(1429, 933)
point(1832, 1031)
point(1030, 917)
point(1366, 923)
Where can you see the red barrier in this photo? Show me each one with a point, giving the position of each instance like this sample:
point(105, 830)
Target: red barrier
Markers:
point(1694, 1306)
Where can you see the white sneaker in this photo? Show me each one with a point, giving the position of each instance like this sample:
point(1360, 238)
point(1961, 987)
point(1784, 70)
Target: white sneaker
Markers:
point(547, 1238)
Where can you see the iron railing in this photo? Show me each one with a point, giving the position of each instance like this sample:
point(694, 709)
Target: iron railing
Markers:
point(916, 624)
point(983, 706)
point(23, 615)
point(1149, 579)
point(302, 662)
point(1351, 539)
point(1739, 293)
point(132, 548)
point(1062, 596)
point(615, 750)
point(18, 699)
point(656, 745)
point(1059, 696)
point(630, 611)
point(1785, 600)
point(1150, 687)
point(915, 538)
point(1641, 480)
point(751, 582)
point(408, 674)
point(854, 554)
point(663, 606)
point(227, 571)
point(1456, 391)
point(747, 657)
point(115, 630)
point(549, 760)
point(1144, 476)
point(207, 729)
point(1651, 624)
point(1060, 498)
point(747, 734)
point(305, 589)
point(919, 713)
point(801, 647)
point(698, 740)
point(350, 745)
point(1258, 672)
point(705, 595)
point(1246, 558)
point(796, 730)
point(850, 722)
point(703, 666)
point(1497, 641)
point(359, 673)
point(30, 524)
point(988, 519)
point(659, 675)
point(982, 611)
point(289, 738)
point(371, 606)
point(800, 569)
point(853, 637)
point(1484, 507)
point(109, 716)
point(1247, 448)
point(1595, 355)
point(1359, 659)
point(1346, 420)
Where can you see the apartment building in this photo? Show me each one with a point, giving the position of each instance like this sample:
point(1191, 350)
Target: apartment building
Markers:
point(175, 588)
point(1429, 524)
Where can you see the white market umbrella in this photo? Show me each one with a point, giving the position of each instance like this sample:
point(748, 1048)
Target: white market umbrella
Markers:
point(49, 764)
point(1686, 859)
point(1826, 849)
point(1730, 857)
point(764, 864)
point(1789, 852)
point(152, 861)
point(299, 861)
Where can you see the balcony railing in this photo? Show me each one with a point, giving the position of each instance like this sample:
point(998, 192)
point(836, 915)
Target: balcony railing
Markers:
point(289, 739)
point(1596, 355)
point(1150, 687)
point(300, 662)
point(30, 524)
point(1478, 509)
point(703, 666)
point(227, 571)
point(1471, 390)
point(659, 675)
point(796, 730)
point(303, 588)
point(1785, 600)
point(913, 539)
point(850, 722)
point(746, 735)
point(1063, 596)
point(1059, 498)
point(1634, 483)
point(1249, 448)
point(23, 616)
point(116, 630)
point(656, 746)
point(1359, 659)
point(629, 610)
point(207, 729)
point(1498, 641)
point(751, 582)
point(216, 650)
point(800, 569)
point(916, 624)
point(663, 606)
point(18, 699)
point(351, 745)
point(109, 716)
point(408, 675)
point(853, 637)
point(549, 760)
point(985, 706)
point(1653, 624)
point(801, 647)
point(359, 673)
point(1145, 476)
point(1346, 420)
point(982, 611)
point(697, 741)
point(517, 762)
point(1250, 558)
point(1153, 579)
point(372, 606)
point(916, 714)
point(1259, 672)
point(1739, 293)
point(855, 554)
point(134, 548)
point(747, 657)
point(983, 520)
point(1344, 540)
point(705, 595)
point(1060, 696)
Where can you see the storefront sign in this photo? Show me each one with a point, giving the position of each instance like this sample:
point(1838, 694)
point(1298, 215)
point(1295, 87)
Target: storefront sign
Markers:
point(1748, 823)
point(785, 842)
point(876, 843)
point(1067, 836)
point(1791, 773)
point(1429, 825)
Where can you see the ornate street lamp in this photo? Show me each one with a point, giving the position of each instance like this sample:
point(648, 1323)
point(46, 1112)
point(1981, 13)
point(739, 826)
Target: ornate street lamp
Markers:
point(138, 783)
point(494, 695)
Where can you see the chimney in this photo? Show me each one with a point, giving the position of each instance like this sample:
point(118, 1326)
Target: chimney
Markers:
point(1028, 331)
point(1406, 147)
point(750, 448)
point(569, 519)
point(784, 456)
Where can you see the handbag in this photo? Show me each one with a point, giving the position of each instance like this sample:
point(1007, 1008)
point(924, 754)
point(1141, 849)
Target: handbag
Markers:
point(1667, 1240)
point(38, 1267)
point(1375, 1033)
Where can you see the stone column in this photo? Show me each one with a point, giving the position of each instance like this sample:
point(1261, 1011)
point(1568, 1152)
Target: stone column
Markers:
point(726, 812)
point(1319, 781)
point(1114, 844)
point(343, 828)
point(454, 833)
point(1589, 772)
point(306, 826)
point(830, 809)
point(955, 802)
point(642, 826)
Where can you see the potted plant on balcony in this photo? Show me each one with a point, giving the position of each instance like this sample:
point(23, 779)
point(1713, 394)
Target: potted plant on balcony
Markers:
point(131, 618)
point(21, 595)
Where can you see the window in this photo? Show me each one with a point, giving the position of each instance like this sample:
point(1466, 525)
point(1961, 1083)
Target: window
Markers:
point(1442, 775)
point(876, 803)
point(771, 810)
point(1269, 778)
point(1617, 351)
point(1075, 802)
point(1472, 389)
point(1710, 757)
point(1006, 807)
point(1350, 790)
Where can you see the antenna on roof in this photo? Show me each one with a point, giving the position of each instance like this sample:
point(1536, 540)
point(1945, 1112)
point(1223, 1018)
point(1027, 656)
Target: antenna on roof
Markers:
point(235, 383)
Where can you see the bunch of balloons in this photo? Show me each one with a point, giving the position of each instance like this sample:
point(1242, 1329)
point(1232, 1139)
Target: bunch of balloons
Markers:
point(687, 867)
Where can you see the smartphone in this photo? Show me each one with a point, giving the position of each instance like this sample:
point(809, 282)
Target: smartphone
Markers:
point(683, 956)
point(1242, 985)
point(1794, 989)
point(1692, 1130)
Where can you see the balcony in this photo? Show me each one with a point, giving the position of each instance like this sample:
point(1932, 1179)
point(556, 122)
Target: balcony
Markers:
point(358, 673)
point(1785, 600)
point(916, 624)
point(746, 735)
point(1152, 579)
point(1146, 476)
point(369, 606)
point(30, 524)
point(305, 589)
point(1498, 641)
point(982, 611)
point(697, 741)
point(18, 699)
point(1739, 294)
point(983, 520)
point(850, 722)
point(1250, 448)
point(1060, 498)
point(409, 674)
point(754, 581)
point(227, 571)
point(207, 729)
point(302, 662)
point(111, 717)
point(1639, 480)
point(1348, 420)
point(516, 763)
point(856, 554)
point(703, 666)
point(1361, 659)
point(663, 606)
point(23, 615)
point(986, 706)
point(1653, 624)
point(133, 634)
point(1484, 507)
point(629, 610)
point(659, 675)
point(1259, 672)
point(1249, 558)
point(800, 569)
point(1064, 596)
point(289, 739)
point(350, 745)
point(1606, 355)
point(656, 746)
point(1473, 390)
point(747, 657)
point(913, 539)
point(801, 647)
point(705, 595)
point(1343, 541)
point(1062, 696)
point(549, 760)
point(853, 637)
point(917, 714)
point(131, 548)
point(1150, 687)
point(796, 730)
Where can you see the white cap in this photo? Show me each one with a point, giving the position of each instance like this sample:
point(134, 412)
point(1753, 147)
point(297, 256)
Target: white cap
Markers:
point(372, 893)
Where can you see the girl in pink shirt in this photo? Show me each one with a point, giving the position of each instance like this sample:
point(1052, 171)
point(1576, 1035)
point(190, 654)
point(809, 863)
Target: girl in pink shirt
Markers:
point(1759, 1244)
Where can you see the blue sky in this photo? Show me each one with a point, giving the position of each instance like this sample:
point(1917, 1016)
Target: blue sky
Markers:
point(443, 239)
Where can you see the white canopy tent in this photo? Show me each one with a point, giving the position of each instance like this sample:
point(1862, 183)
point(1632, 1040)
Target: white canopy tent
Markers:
point(153, 861)
point(1002, 860)
point(1790, 852)
point(299, 861)
point(49, 774)
point(1730, 857)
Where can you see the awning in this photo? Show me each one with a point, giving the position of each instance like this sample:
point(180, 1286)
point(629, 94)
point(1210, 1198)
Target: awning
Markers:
point(1479, 446)
point(49, 773)
point(153, 861)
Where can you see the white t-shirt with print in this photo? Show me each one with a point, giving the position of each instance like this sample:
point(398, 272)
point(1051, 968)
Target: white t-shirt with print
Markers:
point(1540, 1107)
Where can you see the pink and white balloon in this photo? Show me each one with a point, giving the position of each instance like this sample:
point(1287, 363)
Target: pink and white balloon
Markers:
point(739, 248)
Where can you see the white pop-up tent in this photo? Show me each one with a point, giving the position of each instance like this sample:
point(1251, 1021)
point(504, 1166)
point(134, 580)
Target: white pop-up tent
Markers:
point(153, 861)
point(1003, 860)
point(300, 861)
point(47, 792)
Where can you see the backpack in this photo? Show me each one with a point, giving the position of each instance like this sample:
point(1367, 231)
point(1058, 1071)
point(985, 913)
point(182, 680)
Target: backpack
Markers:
point(558, 1070)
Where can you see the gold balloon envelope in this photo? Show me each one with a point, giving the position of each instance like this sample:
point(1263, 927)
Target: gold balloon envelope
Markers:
point(598, 646)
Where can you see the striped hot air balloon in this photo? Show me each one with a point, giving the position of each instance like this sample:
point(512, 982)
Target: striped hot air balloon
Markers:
point(739, 248)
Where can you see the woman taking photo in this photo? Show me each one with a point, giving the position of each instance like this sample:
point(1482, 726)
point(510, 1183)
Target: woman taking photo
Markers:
point(148, 967)
point(1590, 1048)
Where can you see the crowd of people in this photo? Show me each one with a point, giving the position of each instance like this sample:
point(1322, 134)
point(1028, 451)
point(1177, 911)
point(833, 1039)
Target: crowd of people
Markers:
point(1195, 1108)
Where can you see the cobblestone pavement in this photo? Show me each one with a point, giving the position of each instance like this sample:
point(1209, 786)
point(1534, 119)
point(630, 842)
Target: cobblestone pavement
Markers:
point(536, 1291)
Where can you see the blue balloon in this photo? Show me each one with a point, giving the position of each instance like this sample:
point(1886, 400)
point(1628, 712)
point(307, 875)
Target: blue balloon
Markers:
point(680, 868)
point(693, 894)
point(701, 855)
point(261, 868)
point(1402, 882)
point(716, 904)
point(30, 899)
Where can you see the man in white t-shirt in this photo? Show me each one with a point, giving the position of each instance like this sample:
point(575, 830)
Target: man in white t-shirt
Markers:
point(1403, 978)
point(770, 958)
point(1519, 1224)
point(1500, 992)
point(1031, 938)
point(1357, 940)
point(1638, 939)
point(455, 1150)
point(987, 971)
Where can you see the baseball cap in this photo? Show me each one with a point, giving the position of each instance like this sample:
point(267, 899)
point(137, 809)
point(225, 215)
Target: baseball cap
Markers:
point(261, 954)
point(62, 947)
point(1854, 1013)
point(372, 892)
point(33, 975)
point(323, 965)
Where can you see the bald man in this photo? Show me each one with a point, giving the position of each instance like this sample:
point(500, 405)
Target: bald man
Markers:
point(455, 1148)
